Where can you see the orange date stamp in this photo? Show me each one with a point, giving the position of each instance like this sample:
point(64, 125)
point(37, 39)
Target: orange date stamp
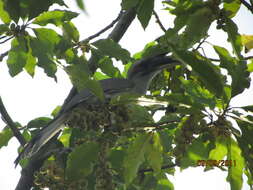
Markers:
point(218, 163)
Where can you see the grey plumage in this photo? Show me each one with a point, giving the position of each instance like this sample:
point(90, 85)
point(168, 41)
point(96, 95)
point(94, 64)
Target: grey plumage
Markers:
point(138, 79)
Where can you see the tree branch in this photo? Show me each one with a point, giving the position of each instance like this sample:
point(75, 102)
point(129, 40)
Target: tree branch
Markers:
point(116, 35)
point(159, 21)
point(246, 4)
point(7, 119)
point(3, 55)
point(35, 163)
point(102, 31)
point(151, 170)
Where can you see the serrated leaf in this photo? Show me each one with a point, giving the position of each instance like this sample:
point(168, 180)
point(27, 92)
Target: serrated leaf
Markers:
point(64, 138)
point(32, 9)
point(70, 31)
point(44, 48)
point(204, 69)
point(81, 161)
point(5, 136)
point(139, 114)
point(197, 27)
point(13, 8)
point(127, 4)
point(144, 12)
point(113, 49)
point(198, 150)
point(31, 60)
point(135, 157)
point(39, 122)
point(106, 66)
point(235, 172)
point(56, 17)
point(248, 108)
point(232, 8)
point(154, 153)
point(199, 95)
point(96, 88)
point(164, 184)
point(80, 4)
point(3, 28)
point(247, 42)
point(234, 37)
point(17, 56)
point(237, 70)
point(4, 16)
point(220, 150)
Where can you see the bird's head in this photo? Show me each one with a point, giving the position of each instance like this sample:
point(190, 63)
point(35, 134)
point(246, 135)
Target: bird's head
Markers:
point(142, 72)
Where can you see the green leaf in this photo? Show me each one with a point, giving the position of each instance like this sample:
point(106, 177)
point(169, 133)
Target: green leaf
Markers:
point(31, 60)
point(135, 156)
point(237, 70)
point(64, 138)
point(13, 8)
point(144, 12)
point(3, 28)
point(199, 95)
point(81, 161)
point(232, 8)
point(44, 48)
point(198, 150)
point(56, 17)
point(113, 49)
point(247, 41)
point(79, 73)
point(235, 172)
point(204, 69)
point(5, 136)
point(164, 184)
point(248, 108)
point(80, 4)
point(220, 150)
point(127, 4)
point(197, 27)
point(4, 16)
point(106, 66)
point(17, 57)
point(70, 31)
point(32, 9)
point(155, 153)
point(234, 37)
point(139, 114)
point(95, 87)
point(39, 122)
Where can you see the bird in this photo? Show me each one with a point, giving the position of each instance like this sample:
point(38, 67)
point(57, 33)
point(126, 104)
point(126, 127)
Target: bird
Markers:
point(139, 77)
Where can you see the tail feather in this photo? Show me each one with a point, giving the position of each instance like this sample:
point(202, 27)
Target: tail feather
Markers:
point(42, 138)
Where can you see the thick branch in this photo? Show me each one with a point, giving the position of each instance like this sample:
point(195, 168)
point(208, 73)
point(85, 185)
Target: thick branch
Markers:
point(246, 4)
point(7, 119)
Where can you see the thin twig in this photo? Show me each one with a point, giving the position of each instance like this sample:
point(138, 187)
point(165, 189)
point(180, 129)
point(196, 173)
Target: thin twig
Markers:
point(3, 55)
point(246, 4)
point(103, 30)
point(218, 60)
point(159, 21)
point(7, 119)
point(6, 39)
point(163, 168)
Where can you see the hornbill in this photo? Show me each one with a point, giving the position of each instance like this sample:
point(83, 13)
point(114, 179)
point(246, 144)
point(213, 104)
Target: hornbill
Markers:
point(139, 76)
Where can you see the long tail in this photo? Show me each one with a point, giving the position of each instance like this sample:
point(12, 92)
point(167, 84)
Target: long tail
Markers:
point(42, 138)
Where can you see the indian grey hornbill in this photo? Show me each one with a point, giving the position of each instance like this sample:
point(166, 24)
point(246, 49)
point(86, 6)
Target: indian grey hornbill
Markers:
point(138, 79)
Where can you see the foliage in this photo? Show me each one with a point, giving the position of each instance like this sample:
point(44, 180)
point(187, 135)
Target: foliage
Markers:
point(118, 145)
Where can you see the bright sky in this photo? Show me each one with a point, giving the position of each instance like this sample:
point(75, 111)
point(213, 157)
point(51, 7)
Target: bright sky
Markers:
point(26, 98)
